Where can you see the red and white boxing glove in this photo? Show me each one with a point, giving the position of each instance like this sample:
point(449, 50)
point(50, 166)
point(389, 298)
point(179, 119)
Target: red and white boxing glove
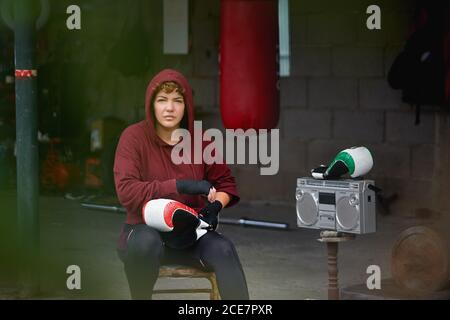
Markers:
point(180, 225)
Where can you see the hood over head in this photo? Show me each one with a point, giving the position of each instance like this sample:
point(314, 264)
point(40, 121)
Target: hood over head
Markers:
point(165, 76)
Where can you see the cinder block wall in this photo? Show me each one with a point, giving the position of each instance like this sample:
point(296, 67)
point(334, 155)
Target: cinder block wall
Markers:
point(337, 95)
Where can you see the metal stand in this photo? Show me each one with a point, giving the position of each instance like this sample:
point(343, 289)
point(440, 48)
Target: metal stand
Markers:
point(27, 145)
point(332, 239)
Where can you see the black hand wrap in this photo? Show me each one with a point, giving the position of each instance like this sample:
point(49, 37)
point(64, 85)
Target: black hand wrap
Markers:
point(210, 213)
point(193, 187)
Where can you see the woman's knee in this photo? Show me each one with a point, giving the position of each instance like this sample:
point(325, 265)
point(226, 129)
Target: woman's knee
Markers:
point(144, 242)
point(218, 245)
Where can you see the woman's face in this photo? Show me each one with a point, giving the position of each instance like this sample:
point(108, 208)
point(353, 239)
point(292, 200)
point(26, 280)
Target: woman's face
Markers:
point(169, 109)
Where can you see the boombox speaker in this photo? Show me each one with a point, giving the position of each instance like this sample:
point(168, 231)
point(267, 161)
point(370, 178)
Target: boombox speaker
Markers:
point(346, 206)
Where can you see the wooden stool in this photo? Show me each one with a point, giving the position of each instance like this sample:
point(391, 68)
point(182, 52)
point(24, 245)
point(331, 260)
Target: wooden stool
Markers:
point(177, 271)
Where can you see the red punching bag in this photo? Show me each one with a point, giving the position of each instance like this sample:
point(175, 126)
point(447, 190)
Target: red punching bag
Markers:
point(249, 94)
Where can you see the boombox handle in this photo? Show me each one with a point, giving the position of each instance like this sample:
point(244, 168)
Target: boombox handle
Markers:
point(382, 200)
point(374, 188)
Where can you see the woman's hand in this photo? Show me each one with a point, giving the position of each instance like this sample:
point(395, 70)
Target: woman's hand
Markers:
point(210, 214)
point(212, 194)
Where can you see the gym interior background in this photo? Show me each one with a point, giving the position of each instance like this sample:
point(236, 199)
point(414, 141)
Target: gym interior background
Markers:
point(337, 95)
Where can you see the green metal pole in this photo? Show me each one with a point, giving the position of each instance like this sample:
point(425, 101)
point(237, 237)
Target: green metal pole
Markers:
point(27, 146)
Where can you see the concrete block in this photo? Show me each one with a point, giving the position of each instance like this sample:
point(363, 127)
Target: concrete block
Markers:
point(400, 128)
point(210, 118)
point(398, 24)
point(348, 6)
point(367, 36)
point(302, 7)
point(293, 92)
point(205, 33)
point(254, 187)
point(358, 61)
point(413, 195)
point(377, 94)
point(298, 30)
point(333, 92)
point(306, 124)
point(423, 162)
point(396, 6)
point(293, 155)
point(206, 62)
point(205, 9)
point(290, 183)
point(204, 91)
point(359, 126)
point(311, 60)
point(390, 161)
point(182, 63)
point(331, 28)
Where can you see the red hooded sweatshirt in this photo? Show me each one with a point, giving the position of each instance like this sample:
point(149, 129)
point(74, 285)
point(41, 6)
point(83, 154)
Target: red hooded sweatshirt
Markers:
point(143, 169)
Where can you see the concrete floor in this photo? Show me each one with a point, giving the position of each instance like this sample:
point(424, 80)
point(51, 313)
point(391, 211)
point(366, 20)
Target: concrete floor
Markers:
point(278, 264)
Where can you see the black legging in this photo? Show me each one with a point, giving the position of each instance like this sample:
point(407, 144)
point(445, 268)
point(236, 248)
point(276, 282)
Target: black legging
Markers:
point(143, 251)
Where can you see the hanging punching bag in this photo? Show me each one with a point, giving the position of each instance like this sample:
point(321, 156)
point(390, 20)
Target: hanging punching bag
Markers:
point(249, 94)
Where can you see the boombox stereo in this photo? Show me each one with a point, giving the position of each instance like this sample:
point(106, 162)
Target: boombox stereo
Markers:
point(346, 206)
